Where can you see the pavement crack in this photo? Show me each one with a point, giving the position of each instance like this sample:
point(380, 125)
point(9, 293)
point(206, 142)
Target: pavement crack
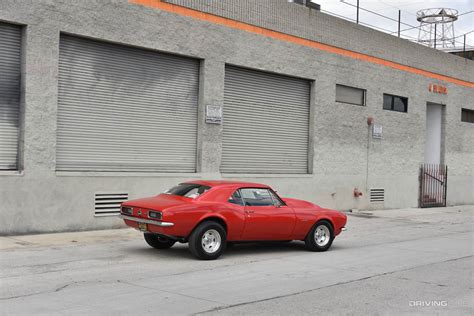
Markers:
point(424, 282)
point(221, 308)
point(170, 292)
point(58, 289)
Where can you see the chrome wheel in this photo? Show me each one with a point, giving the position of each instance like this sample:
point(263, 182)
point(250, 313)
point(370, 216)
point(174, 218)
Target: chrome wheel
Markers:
point(322, 235)
point(211, 241)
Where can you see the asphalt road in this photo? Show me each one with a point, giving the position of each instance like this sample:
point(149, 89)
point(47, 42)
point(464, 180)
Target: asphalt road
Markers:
point(389, 262)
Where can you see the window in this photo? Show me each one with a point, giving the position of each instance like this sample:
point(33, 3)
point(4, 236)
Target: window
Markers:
point(467, 115)
point(257, 197)
point(190, 190)
point(236, 198)
point(395, 103)
point(351, 95)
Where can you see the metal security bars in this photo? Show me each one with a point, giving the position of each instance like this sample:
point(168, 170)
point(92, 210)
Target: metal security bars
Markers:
point(433, 185)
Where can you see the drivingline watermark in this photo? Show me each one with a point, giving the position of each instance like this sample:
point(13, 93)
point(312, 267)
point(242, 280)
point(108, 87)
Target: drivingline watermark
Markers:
point(433, 303)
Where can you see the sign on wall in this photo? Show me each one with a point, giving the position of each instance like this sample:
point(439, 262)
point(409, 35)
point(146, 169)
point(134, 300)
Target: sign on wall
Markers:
point(436, 88)
point(214, 114)
point(377, 131)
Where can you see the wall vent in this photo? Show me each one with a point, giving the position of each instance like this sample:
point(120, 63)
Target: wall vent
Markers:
point(108, 204)
point(377, 195)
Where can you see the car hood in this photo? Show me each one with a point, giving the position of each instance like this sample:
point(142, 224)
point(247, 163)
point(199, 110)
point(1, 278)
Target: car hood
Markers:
point(159, 202)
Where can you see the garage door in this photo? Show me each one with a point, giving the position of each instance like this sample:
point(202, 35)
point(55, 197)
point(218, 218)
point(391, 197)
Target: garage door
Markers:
point(266, 123)
point(125, 109)
point(10, 63)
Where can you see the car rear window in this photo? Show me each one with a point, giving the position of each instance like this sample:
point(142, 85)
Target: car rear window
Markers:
point(189, 190)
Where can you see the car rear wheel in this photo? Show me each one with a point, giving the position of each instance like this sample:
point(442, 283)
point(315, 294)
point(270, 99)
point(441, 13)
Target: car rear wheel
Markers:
point(158, 242)
point(320, 237)
point(208, 241)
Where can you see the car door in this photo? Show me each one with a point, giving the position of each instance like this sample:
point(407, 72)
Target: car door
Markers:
point(266, 216)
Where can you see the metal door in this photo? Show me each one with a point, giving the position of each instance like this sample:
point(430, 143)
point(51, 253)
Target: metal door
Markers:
point(266, 123)
point(125, 109)
point(10, 71)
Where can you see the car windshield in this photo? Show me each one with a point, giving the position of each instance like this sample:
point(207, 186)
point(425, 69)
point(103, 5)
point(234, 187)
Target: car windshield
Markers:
point(190, 190)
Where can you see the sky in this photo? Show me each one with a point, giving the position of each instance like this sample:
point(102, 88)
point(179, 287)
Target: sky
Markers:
point(464, 24)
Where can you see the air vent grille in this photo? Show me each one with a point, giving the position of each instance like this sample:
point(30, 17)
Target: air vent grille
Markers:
point(108, 204)
point(377, 195)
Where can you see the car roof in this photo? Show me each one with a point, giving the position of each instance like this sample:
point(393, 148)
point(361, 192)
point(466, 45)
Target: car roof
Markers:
point(222, 183)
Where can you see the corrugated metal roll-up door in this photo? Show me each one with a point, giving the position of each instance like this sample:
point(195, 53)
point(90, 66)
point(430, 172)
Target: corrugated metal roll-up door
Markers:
point(10, 72)
point(266, 123)
point(125, 109)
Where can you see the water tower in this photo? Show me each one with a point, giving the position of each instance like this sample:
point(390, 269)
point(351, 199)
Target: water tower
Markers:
point(437, 27)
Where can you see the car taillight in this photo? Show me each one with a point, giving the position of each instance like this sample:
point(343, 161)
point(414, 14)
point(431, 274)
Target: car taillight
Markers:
point(155, 215)
point(126, 210)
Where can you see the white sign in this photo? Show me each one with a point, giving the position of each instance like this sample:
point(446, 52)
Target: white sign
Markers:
point(214, 114)
point(377, 131)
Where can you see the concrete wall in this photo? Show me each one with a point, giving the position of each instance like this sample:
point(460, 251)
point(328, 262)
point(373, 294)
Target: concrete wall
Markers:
point(39, 199)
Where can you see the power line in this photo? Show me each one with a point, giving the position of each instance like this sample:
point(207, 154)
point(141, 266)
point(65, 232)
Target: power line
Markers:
point(376, 13)
point(389, 18)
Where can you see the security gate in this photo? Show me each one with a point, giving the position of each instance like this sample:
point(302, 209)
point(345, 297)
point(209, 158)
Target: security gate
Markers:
point(433, 185)
point(10, 69)
point(266, 123)
point(125, 109)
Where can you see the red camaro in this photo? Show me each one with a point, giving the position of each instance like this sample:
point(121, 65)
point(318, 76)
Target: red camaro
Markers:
point(211, 214)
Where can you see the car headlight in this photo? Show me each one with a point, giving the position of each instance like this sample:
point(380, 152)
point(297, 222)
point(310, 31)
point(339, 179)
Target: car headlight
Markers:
point(155, 215)
point(125, 210)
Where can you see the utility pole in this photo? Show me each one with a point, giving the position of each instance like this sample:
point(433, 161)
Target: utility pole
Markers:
point(357, 12)
point(399, 21)
point(464, 47)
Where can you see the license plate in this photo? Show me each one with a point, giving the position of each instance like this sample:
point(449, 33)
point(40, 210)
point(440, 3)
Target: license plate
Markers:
point(143, 227)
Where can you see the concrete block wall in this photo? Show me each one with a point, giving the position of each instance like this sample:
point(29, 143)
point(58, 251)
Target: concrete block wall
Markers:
point(37, 198)
point(290, 18)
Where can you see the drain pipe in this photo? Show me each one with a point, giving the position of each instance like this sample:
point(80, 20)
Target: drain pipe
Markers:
point(370, 122)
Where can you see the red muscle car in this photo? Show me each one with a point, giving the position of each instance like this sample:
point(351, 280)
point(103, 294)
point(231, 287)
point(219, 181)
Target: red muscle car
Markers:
point(209, 215)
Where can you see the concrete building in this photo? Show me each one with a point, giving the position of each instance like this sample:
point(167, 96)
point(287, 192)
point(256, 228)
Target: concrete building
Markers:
point(106, 100)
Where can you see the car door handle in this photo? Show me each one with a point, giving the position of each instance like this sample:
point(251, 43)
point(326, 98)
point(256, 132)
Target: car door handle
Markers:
point(249, 212)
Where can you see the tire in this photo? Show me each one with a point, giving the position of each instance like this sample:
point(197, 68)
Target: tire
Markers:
point(158, 242)
point(320, 237)
point(208, 241)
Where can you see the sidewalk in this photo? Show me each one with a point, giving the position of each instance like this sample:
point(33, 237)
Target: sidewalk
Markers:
point(124, 234)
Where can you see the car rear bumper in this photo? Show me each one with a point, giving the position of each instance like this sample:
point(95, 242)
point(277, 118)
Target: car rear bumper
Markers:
point(146, 221)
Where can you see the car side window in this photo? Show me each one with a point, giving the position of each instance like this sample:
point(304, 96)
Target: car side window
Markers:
point(257, 197)
point(236, 198)
point(276, 200)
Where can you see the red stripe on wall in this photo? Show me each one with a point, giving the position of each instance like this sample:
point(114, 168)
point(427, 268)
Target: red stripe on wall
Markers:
point(296, 40)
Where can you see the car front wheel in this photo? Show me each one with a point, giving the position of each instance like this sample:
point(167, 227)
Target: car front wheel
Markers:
point(320, 237)
point(158, 242)
point(208, 241)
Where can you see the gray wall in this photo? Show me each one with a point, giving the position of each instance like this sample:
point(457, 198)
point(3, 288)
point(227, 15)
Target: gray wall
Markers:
point(39, 199)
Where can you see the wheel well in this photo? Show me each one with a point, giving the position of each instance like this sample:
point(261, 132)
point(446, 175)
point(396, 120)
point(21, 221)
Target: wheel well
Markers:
point(326, 220)
point(211, 219)
point(321, 220)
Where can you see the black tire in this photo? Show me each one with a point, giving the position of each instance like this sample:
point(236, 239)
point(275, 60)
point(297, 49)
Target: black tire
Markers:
point(310, 240)
point(158, 242)
point(196, 240)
